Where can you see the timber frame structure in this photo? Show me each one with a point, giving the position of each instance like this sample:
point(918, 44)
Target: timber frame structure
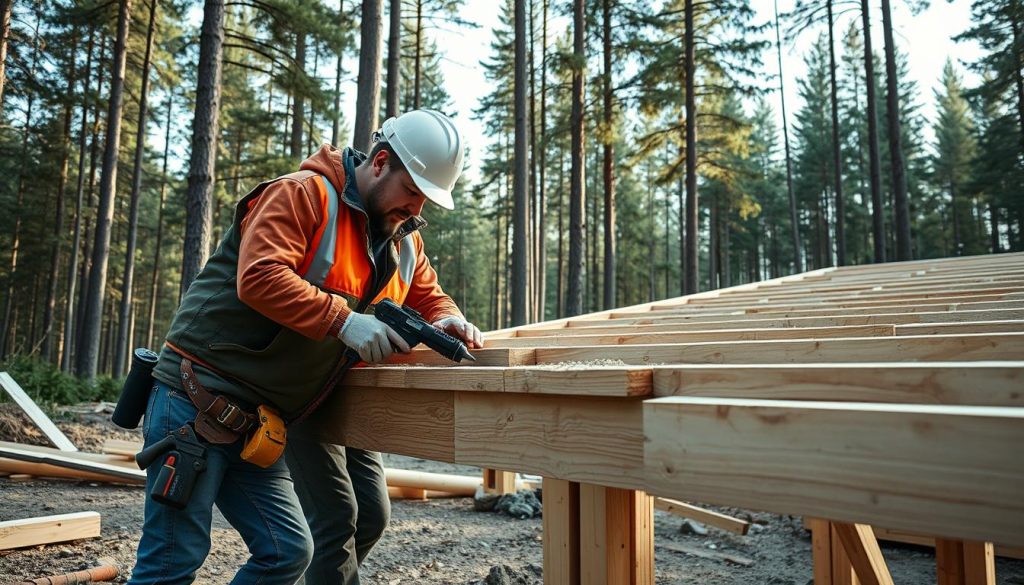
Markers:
point(887, 396)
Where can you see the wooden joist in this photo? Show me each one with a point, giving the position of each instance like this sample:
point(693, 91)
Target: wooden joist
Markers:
point(625, 338)
point(964, 383)
point(48, 529)
point(952, 471)
point(589, 381)
point(1003, 346)
point(709, 517)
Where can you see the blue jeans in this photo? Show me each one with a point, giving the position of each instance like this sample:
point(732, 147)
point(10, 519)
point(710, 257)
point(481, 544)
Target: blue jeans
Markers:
point(259, 503)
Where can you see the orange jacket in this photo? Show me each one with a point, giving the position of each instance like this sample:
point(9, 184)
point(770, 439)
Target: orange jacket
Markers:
point(279, 233)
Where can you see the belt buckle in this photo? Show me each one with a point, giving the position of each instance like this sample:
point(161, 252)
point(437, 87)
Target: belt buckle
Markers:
point(229, 412)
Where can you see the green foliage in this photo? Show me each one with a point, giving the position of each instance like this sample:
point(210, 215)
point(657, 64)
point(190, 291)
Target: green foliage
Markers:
point(47, 385)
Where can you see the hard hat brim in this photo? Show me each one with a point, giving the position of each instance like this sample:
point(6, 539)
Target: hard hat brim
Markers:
point(438, 195)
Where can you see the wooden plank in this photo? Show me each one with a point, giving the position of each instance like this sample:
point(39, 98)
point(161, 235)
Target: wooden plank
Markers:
point(115, 473)
point(787, 312)
point(739, 321)
point(33, 411)
point(868, 292)
point(126, 449)
point(966, 383)
point(417, 423)
point(979, 563)
point(497, 481)
point(949, 562)
point(561, 525)
point(811, 301)
point(862, 549)
point(1002, 346)
point(705, 516)
point(49, 529)
point(961, 328)
point(628, 338)
point(593, 380)
point(97, 457)
point(598, 440)
point(738, 333)
point(952, 471)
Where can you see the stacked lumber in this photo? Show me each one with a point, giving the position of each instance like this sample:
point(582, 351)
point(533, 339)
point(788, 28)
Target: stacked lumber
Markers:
point(885, 394)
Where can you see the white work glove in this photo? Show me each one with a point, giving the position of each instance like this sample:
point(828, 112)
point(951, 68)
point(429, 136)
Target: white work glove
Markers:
point(462, 329)
point(372, 340)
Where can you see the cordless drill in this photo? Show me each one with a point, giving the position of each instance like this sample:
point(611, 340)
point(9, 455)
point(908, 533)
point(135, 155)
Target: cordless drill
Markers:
point(414, 329)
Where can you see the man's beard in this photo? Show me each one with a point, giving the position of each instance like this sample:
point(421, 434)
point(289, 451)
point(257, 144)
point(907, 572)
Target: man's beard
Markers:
point(380, 226)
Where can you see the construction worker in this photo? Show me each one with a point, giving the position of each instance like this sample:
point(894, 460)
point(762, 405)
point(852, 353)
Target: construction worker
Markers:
point(259, 336)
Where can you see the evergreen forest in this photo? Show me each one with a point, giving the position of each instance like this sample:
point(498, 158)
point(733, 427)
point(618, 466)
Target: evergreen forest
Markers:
point(635, 151)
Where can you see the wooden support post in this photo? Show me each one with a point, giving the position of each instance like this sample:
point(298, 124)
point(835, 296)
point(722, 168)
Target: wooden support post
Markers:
point(842, 568)
point(616, 536)
point(861, 547)
point(964, 562)
point(831, 564)
point(497, 481)
point(561, 532)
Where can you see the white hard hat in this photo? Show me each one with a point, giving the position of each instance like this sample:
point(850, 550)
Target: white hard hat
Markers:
point(429, 145)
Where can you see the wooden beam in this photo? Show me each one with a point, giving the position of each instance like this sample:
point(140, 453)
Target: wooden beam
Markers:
point(979, 563)
point(33, 411)
point(961, 328)
point(561, 526)
point(786, 312)
point(703, 515)
point(811, 301)
point(1002, 346)
point(593, 380)
point(862, 549)
point(928, 541)
point(949, 562)
point(48, 529)
point(597, 440)
point(965, 383)
point(502, 357)
point(126, 449)
point(497, 481)
point(417, 423)
point(83, 455)
point(866, 293)
point(953, 471)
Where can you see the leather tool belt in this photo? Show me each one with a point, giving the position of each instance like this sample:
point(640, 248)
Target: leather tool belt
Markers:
point(219, 421)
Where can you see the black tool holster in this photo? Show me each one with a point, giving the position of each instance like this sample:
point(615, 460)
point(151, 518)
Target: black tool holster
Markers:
point(183, 458)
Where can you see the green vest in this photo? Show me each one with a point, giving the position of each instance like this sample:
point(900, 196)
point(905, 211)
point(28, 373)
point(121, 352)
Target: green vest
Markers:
point(257, 360)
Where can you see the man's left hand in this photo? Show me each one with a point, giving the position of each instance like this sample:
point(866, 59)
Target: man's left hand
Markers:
point(462, 329)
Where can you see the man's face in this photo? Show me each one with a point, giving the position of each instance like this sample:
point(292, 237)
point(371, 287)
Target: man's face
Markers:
point(392, 198)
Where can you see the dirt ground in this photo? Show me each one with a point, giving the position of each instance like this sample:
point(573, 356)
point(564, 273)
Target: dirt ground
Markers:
point(441, 541)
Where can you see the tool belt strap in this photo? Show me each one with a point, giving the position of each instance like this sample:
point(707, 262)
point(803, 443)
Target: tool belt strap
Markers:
point(226, 413)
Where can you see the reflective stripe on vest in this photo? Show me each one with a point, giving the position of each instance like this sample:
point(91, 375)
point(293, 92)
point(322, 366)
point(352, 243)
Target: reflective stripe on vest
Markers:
point(322, 260)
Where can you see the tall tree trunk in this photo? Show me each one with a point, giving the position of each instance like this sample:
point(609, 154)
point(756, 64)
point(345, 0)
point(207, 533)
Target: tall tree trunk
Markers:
point(121, 348)
point(534, 237)
point(521, 203)
point(609, 161)
point(713, 243)
point(899, 175)
point(957, 241)
point(336, 123)
point(298, 103)
point(651, 226)
point(993, 218)
point(877, 214)
point(311, 138)
point(417, 86)
point(691, 262)
point(542, 246)
point(154, 282)
point(5, 24)
point(92, 317)
point(1018, 76)
point(69, 303)
point(560, 308)
point(394, 58)
point(577, 196)
point(368, 82)
point(798, 250)
point(7, 333)
point(58, 223)
point(837, 160)
point(204, 145)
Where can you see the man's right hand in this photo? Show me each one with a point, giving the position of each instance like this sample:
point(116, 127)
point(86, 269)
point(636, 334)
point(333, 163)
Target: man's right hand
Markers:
point(372, 340)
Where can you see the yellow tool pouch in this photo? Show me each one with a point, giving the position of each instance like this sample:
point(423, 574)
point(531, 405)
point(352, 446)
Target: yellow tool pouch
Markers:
point(266, 443)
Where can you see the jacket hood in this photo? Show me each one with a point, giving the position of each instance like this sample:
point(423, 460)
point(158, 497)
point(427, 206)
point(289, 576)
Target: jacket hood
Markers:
point(329, 162)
